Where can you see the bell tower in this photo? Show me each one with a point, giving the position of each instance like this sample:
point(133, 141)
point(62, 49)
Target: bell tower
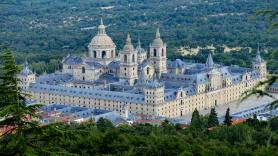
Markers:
point(158, 54)
point(128, 63)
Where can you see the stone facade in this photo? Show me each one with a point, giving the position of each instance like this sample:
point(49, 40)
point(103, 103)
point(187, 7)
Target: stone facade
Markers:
point(133, 82)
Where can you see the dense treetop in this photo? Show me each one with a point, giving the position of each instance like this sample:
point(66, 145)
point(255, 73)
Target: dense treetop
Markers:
point(45, 30)
point(53, 25)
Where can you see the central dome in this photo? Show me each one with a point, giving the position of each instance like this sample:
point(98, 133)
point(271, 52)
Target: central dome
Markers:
point(102, 40)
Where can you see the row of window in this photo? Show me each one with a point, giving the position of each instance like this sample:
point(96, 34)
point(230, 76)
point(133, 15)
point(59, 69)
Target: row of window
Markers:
point(103, 54)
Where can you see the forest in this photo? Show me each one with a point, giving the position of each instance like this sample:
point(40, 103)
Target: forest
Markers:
point(102, 138)
point(43, 31)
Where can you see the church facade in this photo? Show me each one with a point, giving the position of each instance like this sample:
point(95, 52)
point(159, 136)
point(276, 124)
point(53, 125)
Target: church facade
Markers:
point(141, 81)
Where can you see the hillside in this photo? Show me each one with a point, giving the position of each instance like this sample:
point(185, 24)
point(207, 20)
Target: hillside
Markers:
point(46, 29)
point(50, 25)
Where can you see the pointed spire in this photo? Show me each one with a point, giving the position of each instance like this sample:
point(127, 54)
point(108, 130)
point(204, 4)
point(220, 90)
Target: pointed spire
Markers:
point(101, 21)
point(128, 45)
point(258, 57)
point(139, 49)
point(69, 54)
point(26, 62)
point(128, 39)
point(157, 35)
point(101, 28)
point(139, 43)
point(157, 42)
point(26, 70)
point(209, 62)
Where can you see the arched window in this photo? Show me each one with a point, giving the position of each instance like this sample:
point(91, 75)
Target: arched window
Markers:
point(133, 58)
point(95, 54)
point(162, 52)
point(112, 53)
point(83, 70)
point(148, 70)
point(103, 54)
point(125, 59)
point(154, 52)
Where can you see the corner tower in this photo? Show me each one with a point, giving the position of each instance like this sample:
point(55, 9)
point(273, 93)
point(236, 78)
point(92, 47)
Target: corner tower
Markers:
point(101, 47)
point(158, 54)
point(26, 77)
point(128, 62)
point(259, 64)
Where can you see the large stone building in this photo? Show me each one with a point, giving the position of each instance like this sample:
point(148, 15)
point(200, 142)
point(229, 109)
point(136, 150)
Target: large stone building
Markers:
point(131, 81)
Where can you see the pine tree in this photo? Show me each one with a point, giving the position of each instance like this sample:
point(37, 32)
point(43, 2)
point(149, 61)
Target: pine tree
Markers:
point(228, 118)
point(9, 89)
point(212, 120)
point(104, 124)
point(195, 120)
point(14, 112)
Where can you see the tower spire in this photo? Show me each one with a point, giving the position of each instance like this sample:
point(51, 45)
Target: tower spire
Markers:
point(209, 62)
point(139, 43)
point(128, 45)
point(128, 39)
point(258, 57)
point(101, 21)
point(26, 62)
point(101, 28)
point(157, 35)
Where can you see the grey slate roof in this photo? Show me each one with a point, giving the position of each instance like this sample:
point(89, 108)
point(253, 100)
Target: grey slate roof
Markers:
point(54, 78)
point(70, 60)
point(201, 78)
point(153, 84)
point(176, 64)
point(114, 65)
point(109, 78)
point(26, 70)
point(94, 64)
point(90, 93)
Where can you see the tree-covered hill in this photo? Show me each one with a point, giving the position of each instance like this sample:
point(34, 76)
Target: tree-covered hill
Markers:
point(45, 30)
point(55, 25)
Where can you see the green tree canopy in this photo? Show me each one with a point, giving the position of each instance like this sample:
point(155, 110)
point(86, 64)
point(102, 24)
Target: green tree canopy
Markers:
point(228, 118)
point(104, 124)
point(213, 119)
point(196, 120)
